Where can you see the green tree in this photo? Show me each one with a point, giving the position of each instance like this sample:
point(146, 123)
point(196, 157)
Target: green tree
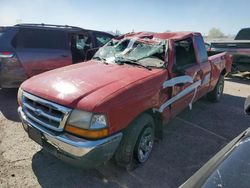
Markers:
point(215, 33)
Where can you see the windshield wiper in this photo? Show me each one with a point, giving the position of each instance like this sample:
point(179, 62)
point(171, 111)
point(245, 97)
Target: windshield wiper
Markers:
point(121, 61)
point(99, 58)
point(103, 60)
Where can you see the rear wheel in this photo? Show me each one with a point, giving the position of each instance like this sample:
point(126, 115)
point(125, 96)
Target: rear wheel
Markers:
point(137, 143)
point(216, 94)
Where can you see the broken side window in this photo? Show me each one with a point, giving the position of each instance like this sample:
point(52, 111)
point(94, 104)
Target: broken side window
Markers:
point(184, 54)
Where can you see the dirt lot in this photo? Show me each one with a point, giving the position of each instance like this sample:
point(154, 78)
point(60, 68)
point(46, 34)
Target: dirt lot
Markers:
point(189, 141)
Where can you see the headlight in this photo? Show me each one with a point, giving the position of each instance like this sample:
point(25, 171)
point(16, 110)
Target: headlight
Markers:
point(98, 121)
point(87, 124)
point(80, 119)
point(19, 96)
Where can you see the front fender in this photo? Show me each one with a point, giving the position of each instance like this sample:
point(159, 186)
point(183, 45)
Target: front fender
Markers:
point(124, 107)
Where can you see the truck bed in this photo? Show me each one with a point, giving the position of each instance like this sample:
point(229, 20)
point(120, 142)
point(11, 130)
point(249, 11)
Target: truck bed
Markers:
point(221, 62)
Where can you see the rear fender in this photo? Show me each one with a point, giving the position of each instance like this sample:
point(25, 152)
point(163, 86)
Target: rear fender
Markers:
point(221, 65)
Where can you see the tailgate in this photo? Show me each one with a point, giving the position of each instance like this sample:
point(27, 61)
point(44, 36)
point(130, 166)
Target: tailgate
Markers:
point(234, 47)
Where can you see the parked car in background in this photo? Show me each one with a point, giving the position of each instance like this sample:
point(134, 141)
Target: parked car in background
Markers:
point(229, 167)
point(117, 103)
point(30, 49)
point(239, 48)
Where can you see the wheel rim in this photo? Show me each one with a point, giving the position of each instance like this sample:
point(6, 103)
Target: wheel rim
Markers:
point(145, 144)
point(220, 89)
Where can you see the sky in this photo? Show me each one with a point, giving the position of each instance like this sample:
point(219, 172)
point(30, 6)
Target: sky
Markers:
point(131, 15)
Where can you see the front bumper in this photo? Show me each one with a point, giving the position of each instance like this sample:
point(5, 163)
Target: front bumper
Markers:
point(72, 149)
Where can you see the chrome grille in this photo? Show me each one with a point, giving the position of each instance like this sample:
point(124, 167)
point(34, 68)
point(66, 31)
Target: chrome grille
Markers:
point(45, 113)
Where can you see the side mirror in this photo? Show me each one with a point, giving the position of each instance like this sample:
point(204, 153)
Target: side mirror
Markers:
point(247, 105)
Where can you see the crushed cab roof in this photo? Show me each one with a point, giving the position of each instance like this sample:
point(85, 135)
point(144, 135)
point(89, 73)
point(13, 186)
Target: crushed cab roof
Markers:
point(164, 36)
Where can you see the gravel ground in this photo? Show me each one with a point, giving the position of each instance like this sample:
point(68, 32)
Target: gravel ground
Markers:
point(189, 141)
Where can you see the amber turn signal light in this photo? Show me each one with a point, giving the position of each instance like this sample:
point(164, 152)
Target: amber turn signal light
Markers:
point(93, 134)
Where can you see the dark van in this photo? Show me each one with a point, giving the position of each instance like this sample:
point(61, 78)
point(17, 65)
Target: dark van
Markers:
point(30, 49)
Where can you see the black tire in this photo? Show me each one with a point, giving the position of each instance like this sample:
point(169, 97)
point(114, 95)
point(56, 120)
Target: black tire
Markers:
point(235, 68)
point(128, 152)
point(215, 95)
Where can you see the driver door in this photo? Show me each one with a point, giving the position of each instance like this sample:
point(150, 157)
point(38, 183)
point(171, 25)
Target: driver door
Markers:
point(185, 77)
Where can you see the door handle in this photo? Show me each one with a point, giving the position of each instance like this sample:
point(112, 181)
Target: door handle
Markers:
point(64, 55)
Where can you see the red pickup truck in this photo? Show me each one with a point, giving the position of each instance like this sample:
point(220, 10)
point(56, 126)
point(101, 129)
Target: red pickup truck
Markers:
point(116, 104)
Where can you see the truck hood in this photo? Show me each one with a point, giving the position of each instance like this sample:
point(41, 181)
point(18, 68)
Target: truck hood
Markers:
point(68, 85)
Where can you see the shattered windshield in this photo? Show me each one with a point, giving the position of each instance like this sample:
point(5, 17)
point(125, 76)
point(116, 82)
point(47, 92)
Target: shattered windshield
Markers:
point(138, 51)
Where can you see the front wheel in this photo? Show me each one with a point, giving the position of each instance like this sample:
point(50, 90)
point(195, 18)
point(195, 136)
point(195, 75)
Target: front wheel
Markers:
point(137, 143)
point(216, 94)
point(144, 144)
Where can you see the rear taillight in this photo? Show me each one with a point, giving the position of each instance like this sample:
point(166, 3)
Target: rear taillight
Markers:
point(6, 54)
